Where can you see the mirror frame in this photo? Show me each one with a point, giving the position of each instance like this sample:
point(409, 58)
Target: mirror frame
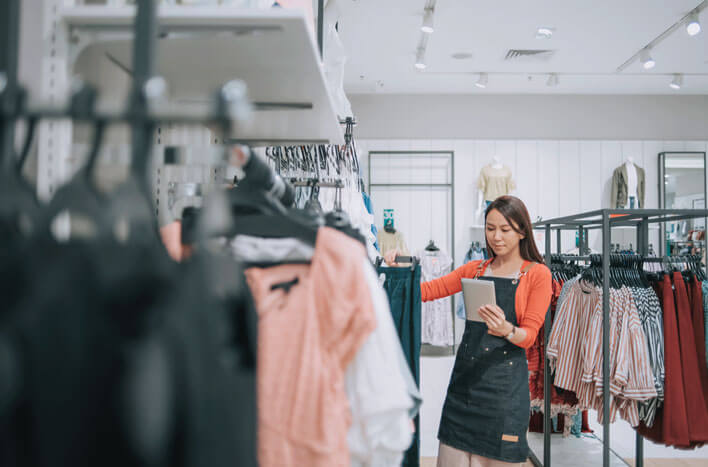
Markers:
point(662, 191)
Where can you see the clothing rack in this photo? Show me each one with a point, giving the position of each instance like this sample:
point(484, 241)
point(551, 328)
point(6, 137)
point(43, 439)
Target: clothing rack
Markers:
point(142, 114)
point(305, 182)
point(604, 220)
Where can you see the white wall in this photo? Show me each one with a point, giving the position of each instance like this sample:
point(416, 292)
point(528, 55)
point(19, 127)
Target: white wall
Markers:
point(565, 117)
point(554, 177)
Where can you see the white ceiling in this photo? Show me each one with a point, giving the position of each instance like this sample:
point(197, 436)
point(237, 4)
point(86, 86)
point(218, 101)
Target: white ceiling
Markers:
point(592, 39)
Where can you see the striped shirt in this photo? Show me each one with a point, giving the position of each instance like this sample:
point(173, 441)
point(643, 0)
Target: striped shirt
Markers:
point(575, 349)
point(653, 326)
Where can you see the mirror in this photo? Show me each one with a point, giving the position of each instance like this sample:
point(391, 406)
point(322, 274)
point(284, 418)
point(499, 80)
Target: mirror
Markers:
point(682, 185)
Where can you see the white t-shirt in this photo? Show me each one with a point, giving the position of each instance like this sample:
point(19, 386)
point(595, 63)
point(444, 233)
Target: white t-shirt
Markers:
point(632, 188)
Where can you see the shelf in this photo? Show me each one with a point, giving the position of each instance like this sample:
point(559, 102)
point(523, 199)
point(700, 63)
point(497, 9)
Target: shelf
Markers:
point(201, 48)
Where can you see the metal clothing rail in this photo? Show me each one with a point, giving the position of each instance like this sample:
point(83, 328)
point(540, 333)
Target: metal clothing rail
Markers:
point(604, 219)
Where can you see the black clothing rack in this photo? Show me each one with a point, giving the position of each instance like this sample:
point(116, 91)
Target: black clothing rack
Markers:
point(604, 220)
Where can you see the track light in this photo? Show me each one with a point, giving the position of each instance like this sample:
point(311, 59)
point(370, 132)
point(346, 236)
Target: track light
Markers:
point(693, 27)
point(420, 59)
point(647, 62)
point(482, 81)
point(677, 82)
point(544, 33)
point(552, 80)
point(427, 26)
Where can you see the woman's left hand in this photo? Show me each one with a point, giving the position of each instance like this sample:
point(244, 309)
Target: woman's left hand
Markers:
point(495, 319)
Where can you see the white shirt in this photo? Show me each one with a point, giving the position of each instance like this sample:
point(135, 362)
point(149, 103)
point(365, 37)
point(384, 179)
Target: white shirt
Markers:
point(381, 429)
point(632, 188)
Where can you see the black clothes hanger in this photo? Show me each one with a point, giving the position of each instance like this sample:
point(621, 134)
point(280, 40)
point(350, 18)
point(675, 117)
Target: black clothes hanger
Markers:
point(431, 246)
point(338, 219)
point(80, 196)
point(20, 210)
point(258, 213)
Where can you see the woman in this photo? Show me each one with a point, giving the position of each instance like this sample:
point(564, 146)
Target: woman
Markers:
point(486, 413)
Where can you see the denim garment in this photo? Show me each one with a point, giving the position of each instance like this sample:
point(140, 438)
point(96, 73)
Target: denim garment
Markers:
point(487, 407)
point(402, 286)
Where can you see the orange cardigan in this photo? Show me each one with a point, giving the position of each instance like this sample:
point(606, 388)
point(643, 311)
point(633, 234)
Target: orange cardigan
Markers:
point(532, 297)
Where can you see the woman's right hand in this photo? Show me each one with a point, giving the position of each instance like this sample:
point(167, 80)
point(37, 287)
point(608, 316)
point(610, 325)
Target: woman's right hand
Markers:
point(390, 258)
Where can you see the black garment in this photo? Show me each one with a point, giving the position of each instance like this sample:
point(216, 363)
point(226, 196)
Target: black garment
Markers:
point(126, 358)
point(402, 286)
point(487, 407)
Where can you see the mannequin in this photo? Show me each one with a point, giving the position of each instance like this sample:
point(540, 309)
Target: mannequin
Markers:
point(628, 186)
point(482, 194)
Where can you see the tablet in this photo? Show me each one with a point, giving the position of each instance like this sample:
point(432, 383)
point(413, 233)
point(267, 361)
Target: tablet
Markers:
point(477, 293)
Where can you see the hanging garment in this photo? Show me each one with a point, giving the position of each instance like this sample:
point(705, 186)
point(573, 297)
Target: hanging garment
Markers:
point(493, 182)
point(670, 425)
point(312, 327)
point(392, 241)
point(486, 409)
point(619, 198)
point(403, 288)
point(695, 402)
point(164, 367)
point(699, 330)
point(370, 210)
point(651, 318)
point(436, 319)
point(380, 398)
point(705, 312)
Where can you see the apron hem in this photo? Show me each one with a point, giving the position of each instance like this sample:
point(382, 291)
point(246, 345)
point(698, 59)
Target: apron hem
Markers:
point(480, 453)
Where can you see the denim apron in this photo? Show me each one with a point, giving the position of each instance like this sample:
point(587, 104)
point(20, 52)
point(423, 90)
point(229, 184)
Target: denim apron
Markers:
point(487, 407)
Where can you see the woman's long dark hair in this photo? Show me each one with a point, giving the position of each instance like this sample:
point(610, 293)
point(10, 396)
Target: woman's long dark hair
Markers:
point(515, 212)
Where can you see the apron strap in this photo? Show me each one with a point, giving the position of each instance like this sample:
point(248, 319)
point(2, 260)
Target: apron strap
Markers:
point(482, 267)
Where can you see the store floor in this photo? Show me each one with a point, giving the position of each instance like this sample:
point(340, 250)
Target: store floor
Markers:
point(432, 462)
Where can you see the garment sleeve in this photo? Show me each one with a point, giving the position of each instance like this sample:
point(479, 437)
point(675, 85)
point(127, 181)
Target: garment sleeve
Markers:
point(482, 181)
point(539, 299)
point(510, 185)
point(615, 189)
point(347, 315)
point(449, 284)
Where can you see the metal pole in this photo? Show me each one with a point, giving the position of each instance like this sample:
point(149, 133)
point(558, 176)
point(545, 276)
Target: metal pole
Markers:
point(547, 370)
point(605, 339)
point(9, 45)
point(320, 27)
point(642, 249)
point(559, 238)
point(144, 46)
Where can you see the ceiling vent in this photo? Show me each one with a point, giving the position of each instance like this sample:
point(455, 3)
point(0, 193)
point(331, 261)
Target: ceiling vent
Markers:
point(529, 55)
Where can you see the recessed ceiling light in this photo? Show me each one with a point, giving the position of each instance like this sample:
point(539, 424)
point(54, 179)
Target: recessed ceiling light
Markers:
point(544, 33)
point(677, 82)
point(647, 62)
point(461, 55)
point(482, 81)
point(420, 59)
point(427, 26)
point(693, 27)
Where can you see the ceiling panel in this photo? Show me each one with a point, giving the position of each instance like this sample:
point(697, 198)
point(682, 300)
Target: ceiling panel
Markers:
point(591, 40)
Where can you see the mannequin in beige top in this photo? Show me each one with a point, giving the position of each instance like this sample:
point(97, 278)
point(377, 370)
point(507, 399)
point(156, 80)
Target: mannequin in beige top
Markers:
point(496, 164)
